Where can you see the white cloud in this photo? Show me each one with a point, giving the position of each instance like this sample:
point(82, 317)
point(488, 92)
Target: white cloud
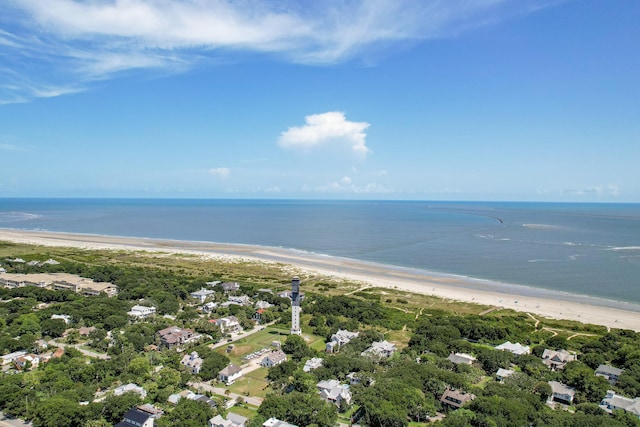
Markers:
point(221, 173)
point(346, 180)
point(274, 189)
point(597, 190)
point(78, 41)
point(326, 128)
point(346, 186)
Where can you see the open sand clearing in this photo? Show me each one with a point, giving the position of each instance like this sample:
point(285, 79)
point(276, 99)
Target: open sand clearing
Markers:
point(521, 298)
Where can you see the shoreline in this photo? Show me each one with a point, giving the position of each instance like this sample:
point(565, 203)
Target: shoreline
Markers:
point(542, 302)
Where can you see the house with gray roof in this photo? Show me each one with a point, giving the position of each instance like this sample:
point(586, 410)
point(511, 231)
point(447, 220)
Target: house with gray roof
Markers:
point(561, 393)
point(381, 349)
point(609, 372)
point(461, 358)
point(334, 392)
point(273, 358)
point(517, 348)
point(557, 359)
point(230, 373)
point(614, 401)
point(455, 399)
point(231, 420)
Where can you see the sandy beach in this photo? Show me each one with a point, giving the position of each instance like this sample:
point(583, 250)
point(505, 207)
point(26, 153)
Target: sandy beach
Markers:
point(521, 298)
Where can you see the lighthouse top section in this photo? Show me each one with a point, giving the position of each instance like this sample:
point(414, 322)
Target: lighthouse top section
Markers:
point(295, 285)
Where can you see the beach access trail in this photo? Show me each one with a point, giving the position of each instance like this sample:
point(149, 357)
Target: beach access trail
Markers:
point(540, 302)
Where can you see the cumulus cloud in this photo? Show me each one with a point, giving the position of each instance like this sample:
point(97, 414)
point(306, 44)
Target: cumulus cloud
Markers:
point(346, 186)
point(324, 129)
point(78, 41)
point(221, 173)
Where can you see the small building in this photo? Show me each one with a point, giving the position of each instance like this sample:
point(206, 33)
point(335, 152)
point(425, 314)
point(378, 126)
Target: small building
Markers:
point(311, 364)
point(381, 349)
point(504, 373)
point(229, 374)
point(131, 387)
point(136, 418)
point(273, 358)
point(455, 399)
point(614, 401)
point(334, 392)
point(193, 362)
point(461, 358)
point(274, 422)
point(65, 317)
point(229, 325)
point(229, 287)
point(609, 372)
point(174, 337)
point(30, 360)
point(202, 294)
point(208, 307)
point(517, 348)
point(561, 393)
point(85, 331)
point(242, 300)
point(231, 420)
point(261, 305)
point(10, 358)
point(557, 359)
point(141, 311)
point(340, 338)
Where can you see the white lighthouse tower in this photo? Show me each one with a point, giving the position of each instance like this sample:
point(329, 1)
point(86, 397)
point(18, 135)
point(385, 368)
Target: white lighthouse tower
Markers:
point(295, 306)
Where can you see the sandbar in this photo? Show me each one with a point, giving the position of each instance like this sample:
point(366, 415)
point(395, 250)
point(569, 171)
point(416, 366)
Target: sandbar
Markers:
point(550, 304)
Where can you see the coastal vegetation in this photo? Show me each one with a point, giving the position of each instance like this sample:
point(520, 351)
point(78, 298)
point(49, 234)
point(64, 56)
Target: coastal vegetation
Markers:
point(77, 388)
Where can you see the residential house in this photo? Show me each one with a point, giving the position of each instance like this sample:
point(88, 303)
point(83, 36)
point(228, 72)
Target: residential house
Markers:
point(609, 372)
point(242, 300)
point(184, 394)
point(261, 305)
point(229, 325)
point(193, 362)
point(151, 410)
point(455, 399)
point(354, 378)
point(504, 373)
point(231, 420)
point(30, 360)
point(86, 330)
point(10, 358)
point(334, 392)
point(557, 359)
point(517, 348)
point(208, 307)
point(136, 418)
point(202, 294)
point(65, 317)
point(141, 311)
point(561, 393)
point(131, 387)
point(461, 358)
point(230, 373)
point(381, 349)
point(257, 316)
point(2, 270)
point(287, 294)
point(229, 287)
point(614, 401)
point(340, 338)
point(311, 364)
point(274, 422)
point(273, 358)
point(174, 337)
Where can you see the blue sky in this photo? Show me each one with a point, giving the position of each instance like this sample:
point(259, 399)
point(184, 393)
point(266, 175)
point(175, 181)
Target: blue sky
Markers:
point(425, 99)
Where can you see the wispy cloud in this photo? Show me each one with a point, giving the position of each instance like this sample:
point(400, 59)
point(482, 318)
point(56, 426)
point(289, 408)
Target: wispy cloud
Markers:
point(79, 41)
point(597, 190)
point(221, 173)
point(326, 129)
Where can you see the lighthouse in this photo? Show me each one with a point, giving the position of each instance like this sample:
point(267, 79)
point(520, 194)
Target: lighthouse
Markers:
point(295, 306)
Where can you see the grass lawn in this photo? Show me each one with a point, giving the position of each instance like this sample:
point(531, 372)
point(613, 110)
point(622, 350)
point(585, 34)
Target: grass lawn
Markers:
point(253, 383)
point(244, 410)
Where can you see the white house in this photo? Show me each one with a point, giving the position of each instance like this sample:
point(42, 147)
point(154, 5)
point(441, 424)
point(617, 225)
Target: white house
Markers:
point(202, 294)
point(193, 362)
point(504, 373)
point(461, 358)
point(339, 339)
point(229, 325)
point(131, 387)
point(561, 393)
point(312, 364)
point(557, 359)
point(141, 311)
point(615, 401)
point(274, 358)
point(382, 349)
point(274, 422)
point(232, 420)
point(609, 372)
point(334, 392)
point(240, 300)
point(517, 348)
point(65, 317)
point(229, 374)
point(208, 307)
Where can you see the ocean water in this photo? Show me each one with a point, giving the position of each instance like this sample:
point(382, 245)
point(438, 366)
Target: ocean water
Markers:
point(587, 249)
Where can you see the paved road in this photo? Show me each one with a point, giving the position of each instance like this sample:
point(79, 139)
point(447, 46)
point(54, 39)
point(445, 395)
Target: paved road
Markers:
point(12, 422)
point(81, 350)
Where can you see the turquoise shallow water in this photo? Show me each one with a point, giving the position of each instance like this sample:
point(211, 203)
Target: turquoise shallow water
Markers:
point(590, 249)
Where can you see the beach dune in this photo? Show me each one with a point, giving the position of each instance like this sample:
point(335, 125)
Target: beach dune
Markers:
point(539, 302)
